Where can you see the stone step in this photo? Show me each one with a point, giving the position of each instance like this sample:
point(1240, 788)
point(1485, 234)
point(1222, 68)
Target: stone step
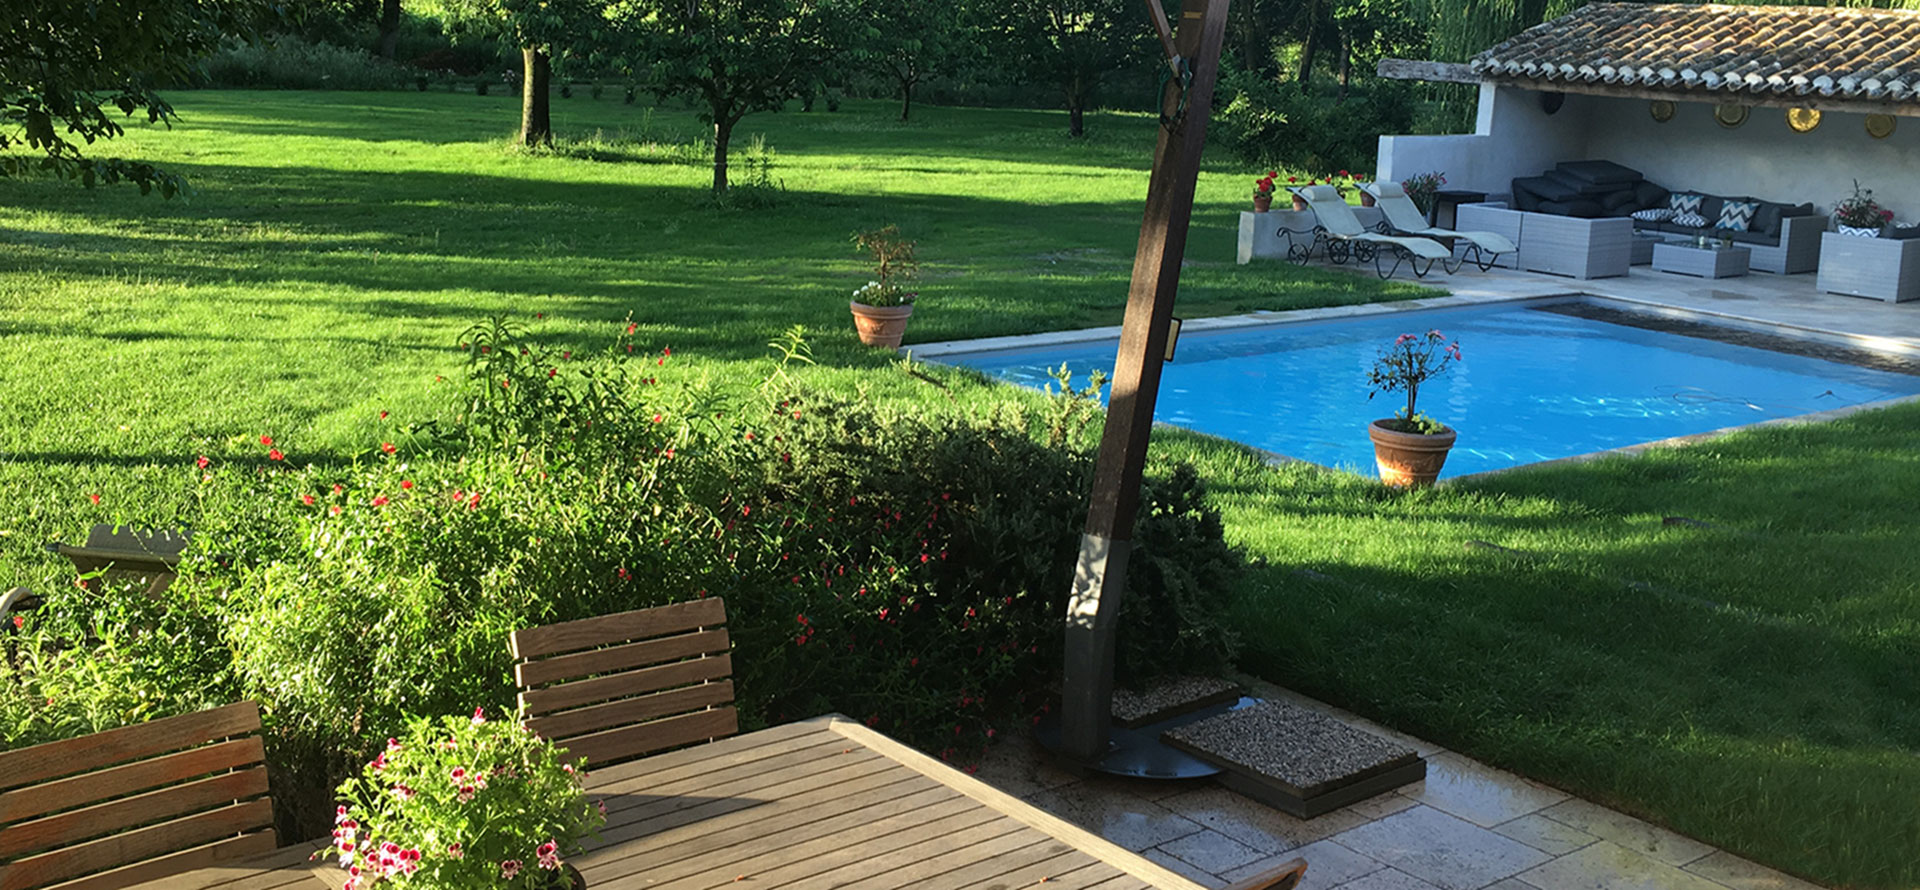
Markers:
point(1168, 699)
point(1297, 760)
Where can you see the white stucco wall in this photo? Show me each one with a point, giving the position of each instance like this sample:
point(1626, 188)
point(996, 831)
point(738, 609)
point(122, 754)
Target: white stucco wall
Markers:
point(1763, 157)
point(1512, 138)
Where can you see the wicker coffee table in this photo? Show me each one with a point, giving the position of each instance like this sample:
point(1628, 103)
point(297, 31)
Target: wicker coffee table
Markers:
point(1712, 261)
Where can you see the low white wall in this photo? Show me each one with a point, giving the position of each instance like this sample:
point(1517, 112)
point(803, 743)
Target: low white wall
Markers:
point(1763, 157)
point(1513, 137)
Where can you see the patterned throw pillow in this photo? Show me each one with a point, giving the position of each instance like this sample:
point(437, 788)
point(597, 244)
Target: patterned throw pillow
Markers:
point(1691, 220)
point(1657, 214)
point(1737, 215)
point(1684, 202)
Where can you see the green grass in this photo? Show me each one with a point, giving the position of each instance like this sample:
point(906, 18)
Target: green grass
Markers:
point(1754, 686)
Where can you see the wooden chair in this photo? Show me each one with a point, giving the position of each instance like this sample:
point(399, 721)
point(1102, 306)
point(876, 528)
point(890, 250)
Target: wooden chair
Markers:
point(128, 805)
point(622, 686)
point(144, 556)
point(1285, 876)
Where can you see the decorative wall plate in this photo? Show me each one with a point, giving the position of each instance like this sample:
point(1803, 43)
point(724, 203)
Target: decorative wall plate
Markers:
point(1730, 116)
point(1803, 120)
point(1879, 126)
point(1661, 109)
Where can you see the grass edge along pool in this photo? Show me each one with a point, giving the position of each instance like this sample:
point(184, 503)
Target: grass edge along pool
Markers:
point(1536, 384)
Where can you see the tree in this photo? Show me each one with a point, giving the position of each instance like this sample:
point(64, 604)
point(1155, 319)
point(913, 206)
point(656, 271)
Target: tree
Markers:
point(65, 65)
point(907, 40)
point(737, 57)
point(1074, 45)
point(389, 28)
point(542, 29)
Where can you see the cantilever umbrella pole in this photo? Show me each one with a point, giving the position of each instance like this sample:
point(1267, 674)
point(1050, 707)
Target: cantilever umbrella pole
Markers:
point(1094, 607)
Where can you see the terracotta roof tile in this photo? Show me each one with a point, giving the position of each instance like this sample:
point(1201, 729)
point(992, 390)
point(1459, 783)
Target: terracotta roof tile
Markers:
point(1780, 51)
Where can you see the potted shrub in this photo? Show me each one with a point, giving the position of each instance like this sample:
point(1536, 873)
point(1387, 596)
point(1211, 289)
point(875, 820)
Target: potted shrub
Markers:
point(1860, 215)
point(881, 306)
point(1410, 447)
point(1422, 187)
point(1263, 192)
point(462, 803)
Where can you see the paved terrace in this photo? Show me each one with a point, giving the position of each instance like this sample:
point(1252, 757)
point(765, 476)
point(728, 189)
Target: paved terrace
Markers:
point(1467, 826)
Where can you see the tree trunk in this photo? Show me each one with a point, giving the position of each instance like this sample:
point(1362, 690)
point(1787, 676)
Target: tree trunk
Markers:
point(1346, 64)
point(536, 124)
point(1310, 45)
point(722, 134)
point(1076, 119)
point(906, 99)
point(389, 28)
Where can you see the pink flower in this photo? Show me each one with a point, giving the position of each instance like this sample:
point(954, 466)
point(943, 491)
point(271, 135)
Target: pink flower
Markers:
point(509, 869)
point(466, 793)
point(549, 855)
point(403, 792)
point(455, 851)
point(1403, 339)
point(479, 716)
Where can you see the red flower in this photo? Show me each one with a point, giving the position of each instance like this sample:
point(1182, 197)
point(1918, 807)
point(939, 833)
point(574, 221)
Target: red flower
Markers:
point(406, 483)
point(203, 462)
point(338, 488)
point(657, 418)
point(19, 622)
point(306, 499)
point(632, 327)
point(388, 447)
point(94, 498)
point(622, 572)
point(333, 510)
point(380, 500)
point(266, 440)
point(274, 454)
point(383, 416)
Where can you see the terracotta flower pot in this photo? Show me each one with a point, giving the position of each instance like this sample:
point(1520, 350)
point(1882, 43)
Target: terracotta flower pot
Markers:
point(1408, 459)
point(1366, 198)
point(1299, 204)
point(1262, 202)
point(881, 325)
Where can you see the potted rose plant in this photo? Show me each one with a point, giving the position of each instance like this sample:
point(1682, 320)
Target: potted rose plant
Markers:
point(881, 306)
point(1263, 192)
point(464, 803)
point(1410, 447)
point(1860, 215)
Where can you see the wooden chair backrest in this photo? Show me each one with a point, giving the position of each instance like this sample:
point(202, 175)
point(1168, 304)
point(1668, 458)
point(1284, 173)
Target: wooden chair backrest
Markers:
point(128, 805)
point(626, 685)
point(150, 556)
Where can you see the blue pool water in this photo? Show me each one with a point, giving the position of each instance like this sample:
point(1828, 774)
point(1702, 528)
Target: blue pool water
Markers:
point(1533, 385)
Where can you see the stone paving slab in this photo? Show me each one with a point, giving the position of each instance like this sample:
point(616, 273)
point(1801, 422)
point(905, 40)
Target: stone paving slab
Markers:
point(1387, 879)
point(1479, 794)
point(1446, 851)
point(1609, 866)
point(1544, 834)
point(1648, 840)
point(1740, 874)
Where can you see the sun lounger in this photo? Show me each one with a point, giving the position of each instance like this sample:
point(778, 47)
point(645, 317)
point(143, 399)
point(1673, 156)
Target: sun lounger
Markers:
point(1339, 235)
point(1404, 218)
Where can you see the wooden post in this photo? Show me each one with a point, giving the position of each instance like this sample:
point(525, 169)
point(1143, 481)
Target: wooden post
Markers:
point(1100, 578)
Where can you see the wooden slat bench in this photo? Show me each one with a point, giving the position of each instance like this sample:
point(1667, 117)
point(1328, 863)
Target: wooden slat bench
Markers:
point(116, 808)
point(621, 686)
point(144, 556)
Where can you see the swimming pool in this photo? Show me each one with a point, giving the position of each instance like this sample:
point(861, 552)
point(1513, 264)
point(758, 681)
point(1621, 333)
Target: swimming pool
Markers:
point(1534, 385)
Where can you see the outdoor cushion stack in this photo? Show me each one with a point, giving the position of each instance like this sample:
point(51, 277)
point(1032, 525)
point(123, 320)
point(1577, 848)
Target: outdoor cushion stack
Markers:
point(1596, 189)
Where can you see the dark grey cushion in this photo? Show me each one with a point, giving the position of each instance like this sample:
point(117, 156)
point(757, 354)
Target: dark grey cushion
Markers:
point(1766, 220)
point(1798, 210)
point(1580, 207)
point(1748, 237)
point(1544, 189)
point(1905, 233)
point(1600, 172)
point(1579, 186)
point(1624, 198)
point(1649, 195)
point(1710, 206)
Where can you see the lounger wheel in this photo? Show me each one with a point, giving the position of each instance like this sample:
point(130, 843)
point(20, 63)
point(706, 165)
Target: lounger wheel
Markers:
point(1365, 251)
point(1340, 251)
point(1299, 253)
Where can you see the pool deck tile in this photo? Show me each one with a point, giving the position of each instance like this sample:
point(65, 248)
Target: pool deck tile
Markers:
point(1447, 832)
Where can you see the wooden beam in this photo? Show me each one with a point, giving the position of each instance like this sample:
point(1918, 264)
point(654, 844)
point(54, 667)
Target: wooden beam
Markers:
point(1713, 97)
point(1432, 72)
point(1093, 610)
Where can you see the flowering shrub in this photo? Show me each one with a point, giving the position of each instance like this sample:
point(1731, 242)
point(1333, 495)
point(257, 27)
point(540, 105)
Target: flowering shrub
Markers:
point(893, 262)
point(1264, 185)
point(1413, 359)
point(463, 802)
point(1860, 210)
point(1422, 187)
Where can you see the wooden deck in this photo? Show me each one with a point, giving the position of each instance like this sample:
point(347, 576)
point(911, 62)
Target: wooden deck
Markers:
point(824, 803)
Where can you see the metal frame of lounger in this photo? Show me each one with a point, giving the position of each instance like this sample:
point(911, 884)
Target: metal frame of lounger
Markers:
point(1483, 249)
point(1355, 241)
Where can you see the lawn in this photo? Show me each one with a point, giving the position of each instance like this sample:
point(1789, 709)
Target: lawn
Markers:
point(1751, 684)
